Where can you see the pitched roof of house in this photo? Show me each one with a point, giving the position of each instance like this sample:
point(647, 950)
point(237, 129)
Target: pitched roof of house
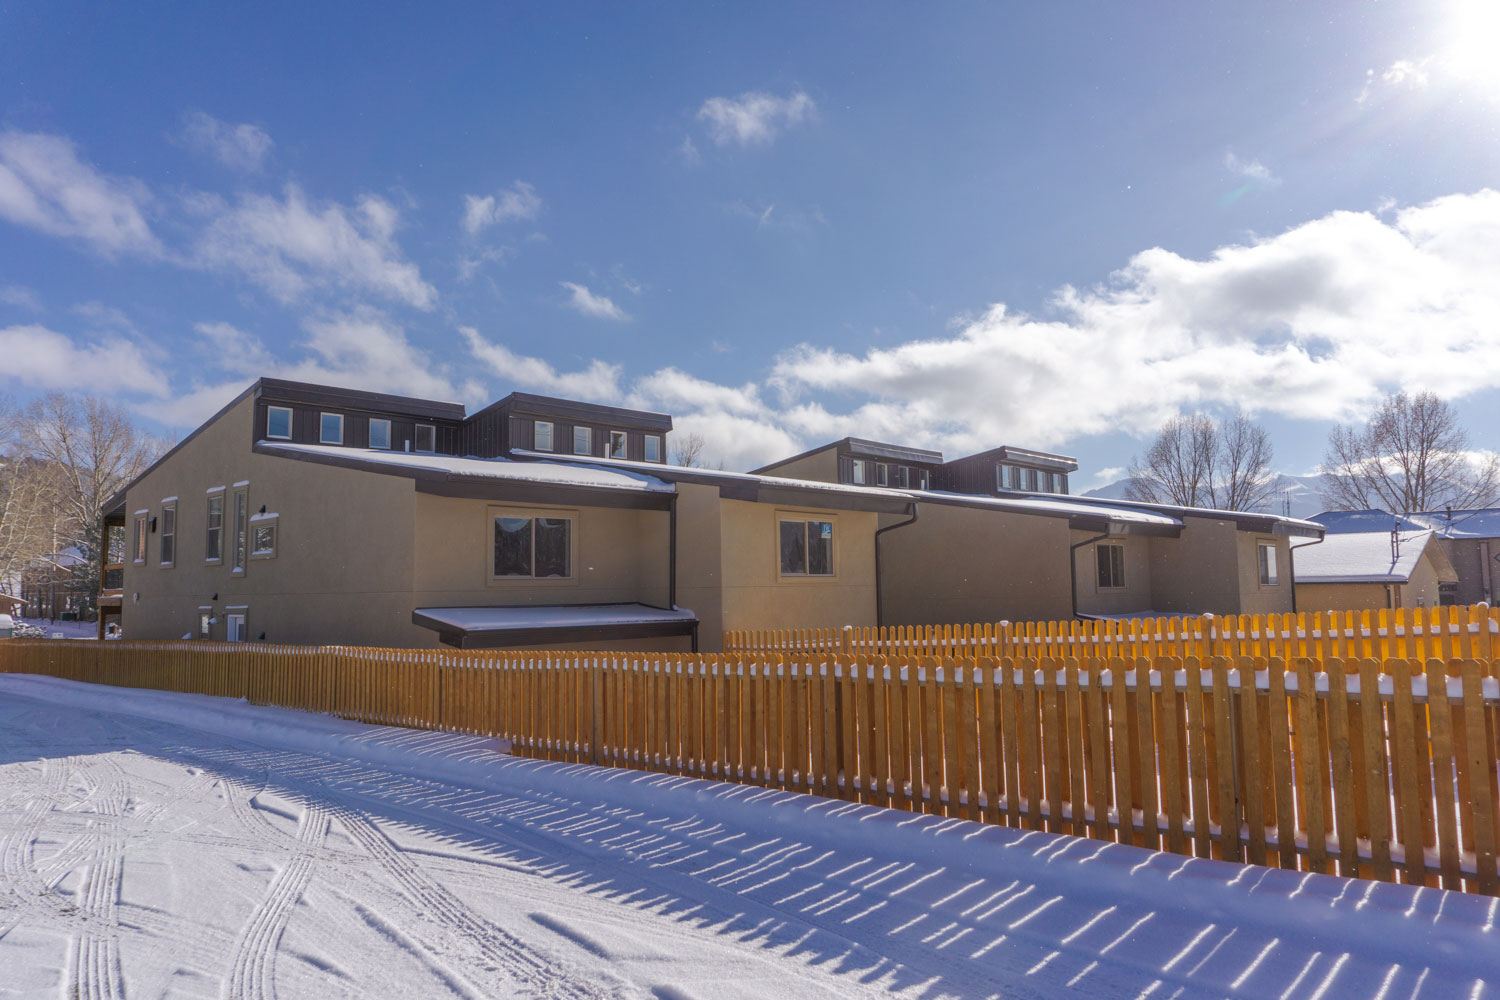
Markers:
point(1481, 523)
point(1364, 557)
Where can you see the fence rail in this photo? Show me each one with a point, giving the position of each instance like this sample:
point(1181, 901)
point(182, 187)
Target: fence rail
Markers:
point(1445, 633)
point(1368, 768)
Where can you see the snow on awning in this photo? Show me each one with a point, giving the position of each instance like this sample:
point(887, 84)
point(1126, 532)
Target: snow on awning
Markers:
point(542, 624)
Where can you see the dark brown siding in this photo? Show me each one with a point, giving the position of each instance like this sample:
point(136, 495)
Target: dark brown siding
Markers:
point(306, 421)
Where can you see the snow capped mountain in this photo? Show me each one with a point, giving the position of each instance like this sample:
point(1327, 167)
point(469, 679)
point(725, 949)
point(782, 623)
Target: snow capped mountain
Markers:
point(1297, 496)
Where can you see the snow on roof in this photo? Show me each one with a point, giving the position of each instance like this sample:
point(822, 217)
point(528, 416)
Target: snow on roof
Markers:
point(1360, 557)
point(560, 474)
point(555, 616)
point(1344, 522)
point(1056, 504)
point(745, 477)
point(1482, 523)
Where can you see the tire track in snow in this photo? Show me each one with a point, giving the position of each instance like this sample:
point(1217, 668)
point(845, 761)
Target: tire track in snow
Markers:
point(17, 847)
point(500, 949)
point(252, 972)
point(96, 950)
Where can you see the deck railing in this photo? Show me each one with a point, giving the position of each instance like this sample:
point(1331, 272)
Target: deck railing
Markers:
point(1382, 769)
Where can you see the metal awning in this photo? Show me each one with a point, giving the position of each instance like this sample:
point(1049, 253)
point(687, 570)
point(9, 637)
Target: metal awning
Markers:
point(545, 624)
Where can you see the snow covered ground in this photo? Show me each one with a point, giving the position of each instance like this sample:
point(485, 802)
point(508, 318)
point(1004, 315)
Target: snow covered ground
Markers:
point(67, 630)
point(170, 846)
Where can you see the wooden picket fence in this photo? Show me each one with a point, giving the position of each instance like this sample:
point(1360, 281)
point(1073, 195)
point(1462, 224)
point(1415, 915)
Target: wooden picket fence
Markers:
point(1404, 633)
point(1367, 768)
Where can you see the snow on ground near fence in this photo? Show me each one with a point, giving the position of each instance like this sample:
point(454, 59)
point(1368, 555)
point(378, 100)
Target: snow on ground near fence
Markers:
point(155, 844)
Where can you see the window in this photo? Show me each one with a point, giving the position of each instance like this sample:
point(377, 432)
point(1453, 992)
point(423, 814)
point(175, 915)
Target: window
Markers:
point(653, 447)
point(583, 440)
point(905, 477)
point(205, 621)
point(617, 444)
point(234, 629)
point(213, 543)
point(858, 475)
point(168, 533)
point(263, 536)
point(380, 433)
point(241, 529)
point(543, 435)
point(426, 438)
point(922, 480)
point(882, 474)
point(538, 548)
point(331, 428)
point(279, 422)
point(1030, 479)
point(1049, 482)
point(1010, 477)
point(140, 536)
point(1266, 556)
point(806, 548)
point(1111, 566)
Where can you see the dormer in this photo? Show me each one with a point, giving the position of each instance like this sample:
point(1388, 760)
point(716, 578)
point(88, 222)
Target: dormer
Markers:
point(857, 462)
point(302, 413)
point(1007, 470)
point(543, 424)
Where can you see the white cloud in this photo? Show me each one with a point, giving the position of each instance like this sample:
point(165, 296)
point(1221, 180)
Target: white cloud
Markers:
point(1252, 170)
point(689, 152)
point(21, 297)
point(241, 147)
point(599, 382)
point(590, 304)
point(291, 246)
point(40, 358)
point(754, 117)
point(44, 186)
point(519, 201)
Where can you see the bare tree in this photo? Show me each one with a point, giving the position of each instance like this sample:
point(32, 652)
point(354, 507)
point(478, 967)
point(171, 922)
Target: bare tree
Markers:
point(28, 505)
point(687, 449)
point(1194, 462)
point(1411, 455)
point(89, 450)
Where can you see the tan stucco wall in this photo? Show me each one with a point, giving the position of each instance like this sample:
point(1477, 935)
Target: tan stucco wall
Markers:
point(1197, 572)
point(1341, 596)
point(1255, 599)
point(1470, 558)
point(819, 467)
point(618, 555)
point(342, 572)
point(1137, 593)
point(965, 564)
point(700, 561)
point(756, 596)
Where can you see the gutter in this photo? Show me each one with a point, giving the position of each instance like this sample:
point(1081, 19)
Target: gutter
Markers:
point(672, 562)
point(879, 606)
point(1073, 566)
point(1291, 556)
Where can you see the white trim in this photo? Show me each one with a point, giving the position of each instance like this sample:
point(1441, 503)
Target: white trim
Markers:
point(290, 418)
point(213, 489)
point(324, 415)
point(243, 482)
point(205, 607)
point(236, 607)
point(169, 499)
point(415, 429)
point(140, 512)
point(264, 517)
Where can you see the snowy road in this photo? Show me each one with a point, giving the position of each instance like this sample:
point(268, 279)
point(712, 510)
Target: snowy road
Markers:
point(163, 845)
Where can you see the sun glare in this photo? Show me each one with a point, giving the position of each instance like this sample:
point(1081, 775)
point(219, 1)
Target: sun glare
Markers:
point(1473, 49)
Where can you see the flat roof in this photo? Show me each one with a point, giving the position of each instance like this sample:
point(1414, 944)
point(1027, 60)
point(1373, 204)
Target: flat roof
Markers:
point(529, 624)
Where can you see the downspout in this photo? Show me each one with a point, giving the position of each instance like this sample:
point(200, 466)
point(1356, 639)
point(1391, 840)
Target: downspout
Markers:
point(1073, 566)
point(879, 605)
point(672, 561)
point(1291, 557)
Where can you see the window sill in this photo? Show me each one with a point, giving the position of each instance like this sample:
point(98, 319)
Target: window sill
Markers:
point(165, 565)
point(237, 572)
point(213, 562)
point(806, 578)
point(532, 581)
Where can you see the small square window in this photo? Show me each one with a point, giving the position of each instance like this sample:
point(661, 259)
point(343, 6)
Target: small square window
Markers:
point(617, 444)
point(543, 441)
point(426, 438)
point(331, 428)
point(538, 548)
point(653, 448)
point(279, 422)
point(583, 441)
point(806, 548)
point(380, 433)
point(263, 536)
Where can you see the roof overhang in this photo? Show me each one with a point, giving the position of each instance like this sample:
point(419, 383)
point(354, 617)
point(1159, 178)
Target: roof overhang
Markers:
point(542, 625)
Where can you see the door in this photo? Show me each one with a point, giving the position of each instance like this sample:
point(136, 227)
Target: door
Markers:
point(236, 630)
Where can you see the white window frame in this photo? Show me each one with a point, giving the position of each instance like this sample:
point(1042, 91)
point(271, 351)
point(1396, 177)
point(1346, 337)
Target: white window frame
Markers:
point(142, 538)
point(806, 518)
point(205, 620)
point(322, 431)
point(882, 474)
point(1274, 580)
point(279, 409)
point(240, 538)
point(167, 505)
point(259, 522)
point(387, 423)
point(416, 439)
point(856, 476)
point(624, 438)
point(652, 447)
point(236, 625)
point(536, 436)
point(208, 525)
point(532, 514)
point(1120, 584)
point(588, 440)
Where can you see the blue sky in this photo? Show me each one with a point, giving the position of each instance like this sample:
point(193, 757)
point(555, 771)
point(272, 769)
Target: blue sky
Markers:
point(956, 226)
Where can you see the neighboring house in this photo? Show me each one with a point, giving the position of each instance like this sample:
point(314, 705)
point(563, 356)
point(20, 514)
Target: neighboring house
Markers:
point(308, 514)
point(1360, 570)
point(1469, 538)
point(996, 537)
point(58, 585)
